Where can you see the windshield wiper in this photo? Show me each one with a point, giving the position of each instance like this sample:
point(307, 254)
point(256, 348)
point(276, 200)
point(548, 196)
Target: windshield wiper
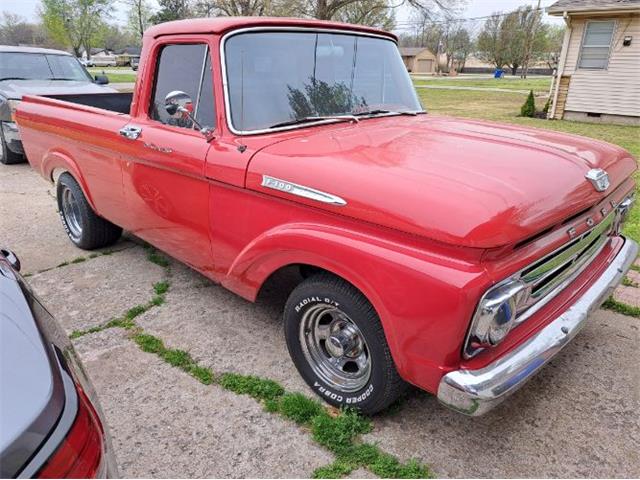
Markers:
point(316, 118)
point(380, 111)
point(14, 78)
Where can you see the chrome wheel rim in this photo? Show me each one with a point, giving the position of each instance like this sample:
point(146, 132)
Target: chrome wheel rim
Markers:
point(71, 212)
point(335, 348)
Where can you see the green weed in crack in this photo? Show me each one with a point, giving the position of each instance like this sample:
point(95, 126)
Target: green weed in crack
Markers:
point(126, 321)
point(78, 260)
point(619, 307)
point(256, 387)
point(161, 287)
point(174, 357)
point(155, 257)
point(338, 431)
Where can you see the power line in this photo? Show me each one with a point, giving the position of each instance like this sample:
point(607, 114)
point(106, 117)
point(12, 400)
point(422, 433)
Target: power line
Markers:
point(457, 20)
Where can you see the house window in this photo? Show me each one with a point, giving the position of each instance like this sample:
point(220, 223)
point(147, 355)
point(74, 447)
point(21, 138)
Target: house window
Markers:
point(596, 45)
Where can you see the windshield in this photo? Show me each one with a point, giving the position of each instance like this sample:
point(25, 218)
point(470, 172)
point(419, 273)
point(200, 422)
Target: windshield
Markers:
point(38, 66)
point(278, 77)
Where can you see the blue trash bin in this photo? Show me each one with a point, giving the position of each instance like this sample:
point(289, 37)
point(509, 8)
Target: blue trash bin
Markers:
point(499, 73)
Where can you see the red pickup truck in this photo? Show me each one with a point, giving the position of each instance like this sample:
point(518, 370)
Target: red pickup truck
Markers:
point(455, 255)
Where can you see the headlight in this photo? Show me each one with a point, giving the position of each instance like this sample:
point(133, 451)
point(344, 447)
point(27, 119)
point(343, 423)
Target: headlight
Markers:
point(622, 212)
point(8, 109)
point(494, 316)
point(13, 104)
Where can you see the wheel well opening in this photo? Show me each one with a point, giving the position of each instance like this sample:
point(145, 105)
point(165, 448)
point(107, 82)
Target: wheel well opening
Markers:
point(278, 286)
point(56, 172)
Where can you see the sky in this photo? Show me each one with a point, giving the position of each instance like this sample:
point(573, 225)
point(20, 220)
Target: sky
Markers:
point(474, 8)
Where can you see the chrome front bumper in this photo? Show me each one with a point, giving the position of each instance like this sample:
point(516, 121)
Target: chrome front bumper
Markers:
point(475, 392)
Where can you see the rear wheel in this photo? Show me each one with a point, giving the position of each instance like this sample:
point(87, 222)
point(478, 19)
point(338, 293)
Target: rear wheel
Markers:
point(337, 343)
point(7, 157)
point(85, 229)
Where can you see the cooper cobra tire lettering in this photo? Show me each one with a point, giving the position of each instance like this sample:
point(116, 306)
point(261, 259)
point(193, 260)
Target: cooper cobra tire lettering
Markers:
point(383, 384)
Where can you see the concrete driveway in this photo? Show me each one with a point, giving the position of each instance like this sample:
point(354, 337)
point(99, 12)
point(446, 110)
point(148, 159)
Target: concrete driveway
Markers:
point(577, 418)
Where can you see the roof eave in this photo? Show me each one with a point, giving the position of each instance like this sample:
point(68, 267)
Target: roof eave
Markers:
point(586, 11)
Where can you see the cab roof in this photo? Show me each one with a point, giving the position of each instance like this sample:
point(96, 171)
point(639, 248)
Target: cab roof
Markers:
point(47, 51)
point(225, 24)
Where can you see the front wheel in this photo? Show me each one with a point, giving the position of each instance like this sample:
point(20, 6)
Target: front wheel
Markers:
point(337, 343)
point(85, 229)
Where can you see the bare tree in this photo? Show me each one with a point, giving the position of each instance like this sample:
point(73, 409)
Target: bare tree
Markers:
point(490, 42)
point(375, 13)
point(550, 52)
point(139, 16)
point(329, 9)
point(532, 20)
point(15, 30)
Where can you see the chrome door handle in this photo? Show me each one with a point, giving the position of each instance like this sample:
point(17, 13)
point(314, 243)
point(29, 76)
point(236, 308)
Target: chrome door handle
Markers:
point(131, 132)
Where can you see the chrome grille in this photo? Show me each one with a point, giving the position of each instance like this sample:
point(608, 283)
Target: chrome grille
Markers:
point(548, 276)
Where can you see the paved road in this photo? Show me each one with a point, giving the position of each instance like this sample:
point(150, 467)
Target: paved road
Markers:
point(477, 89)
point(577, 418)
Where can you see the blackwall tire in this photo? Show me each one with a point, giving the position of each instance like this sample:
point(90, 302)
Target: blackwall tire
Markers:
point(85, 229)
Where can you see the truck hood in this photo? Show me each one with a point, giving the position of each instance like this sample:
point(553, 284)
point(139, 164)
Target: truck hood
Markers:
point(16, 89)
point(462, 182)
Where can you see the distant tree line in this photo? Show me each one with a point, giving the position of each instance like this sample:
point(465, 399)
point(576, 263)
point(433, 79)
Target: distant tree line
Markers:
point(515, 40)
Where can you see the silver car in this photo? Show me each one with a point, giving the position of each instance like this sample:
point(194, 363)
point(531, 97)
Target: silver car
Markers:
point(50, 421)
point(37, 71)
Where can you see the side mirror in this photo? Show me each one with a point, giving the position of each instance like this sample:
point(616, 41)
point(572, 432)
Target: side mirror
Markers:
point(12, 258)
point(102, 79)
point(178, 104)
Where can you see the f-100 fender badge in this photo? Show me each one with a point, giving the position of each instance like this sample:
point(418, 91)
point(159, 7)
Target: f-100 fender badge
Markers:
point(598, 178)
point(302, 191)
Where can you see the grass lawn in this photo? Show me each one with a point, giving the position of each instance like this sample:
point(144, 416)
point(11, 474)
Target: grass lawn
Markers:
point(504, 107)
point(537, 84)
point(114, 77)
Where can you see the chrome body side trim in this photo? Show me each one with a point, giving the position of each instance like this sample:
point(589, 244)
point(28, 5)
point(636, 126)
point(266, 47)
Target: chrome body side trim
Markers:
point(475, 392)
point(302, 191)
point(225, 83)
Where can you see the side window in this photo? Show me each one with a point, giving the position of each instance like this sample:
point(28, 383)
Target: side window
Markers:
point(596, 44)
point(187, 68)
point(205, 108)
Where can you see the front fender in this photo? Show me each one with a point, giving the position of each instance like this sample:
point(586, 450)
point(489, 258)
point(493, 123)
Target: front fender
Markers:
point(396, 279)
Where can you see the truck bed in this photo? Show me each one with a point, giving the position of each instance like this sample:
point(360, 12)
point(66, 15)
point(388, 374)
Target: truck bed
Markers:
point(115, 102)
point(57, 128)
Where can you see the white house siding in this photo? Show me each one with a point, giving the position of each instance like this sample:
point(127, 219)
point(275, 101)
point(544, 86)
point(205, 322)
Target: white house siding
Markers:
point(615, 91)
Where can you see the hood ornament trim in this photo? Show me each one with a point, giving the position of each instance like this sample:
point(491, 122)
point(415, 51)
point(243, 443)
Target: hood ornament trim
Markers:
point(598, 178)
point(302, 191)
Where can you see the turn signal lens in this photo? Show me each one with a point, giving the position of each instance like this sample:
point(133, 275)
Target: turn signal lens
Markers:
point(80, 453)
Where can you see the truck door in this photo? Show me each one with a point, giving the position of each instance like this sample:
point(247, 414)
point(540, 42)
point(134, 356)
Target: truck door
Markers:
point(163, 164)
